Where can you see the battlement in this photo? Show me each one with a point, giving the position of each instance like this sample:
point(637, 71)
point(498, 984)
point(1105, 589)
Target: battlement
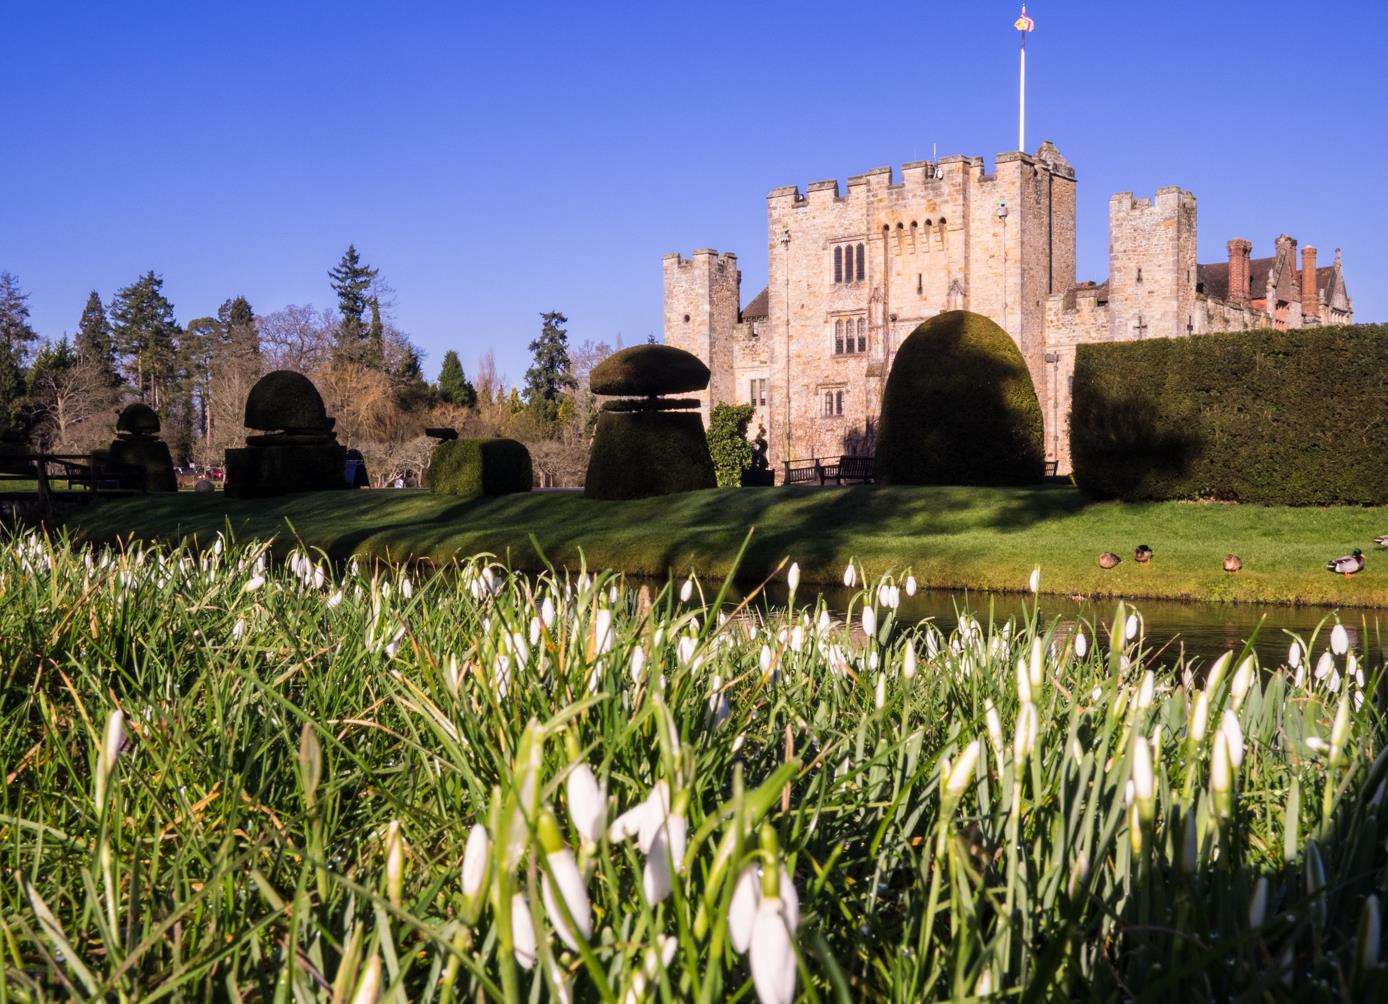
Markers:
point(709, 256)
point(1166, 198)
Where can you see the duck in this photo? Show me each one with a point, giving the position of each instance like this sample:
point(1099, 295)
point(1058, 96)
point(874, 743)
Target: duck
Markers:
point(1381, 540)
point(1142, 554)
point(1109, 560)
point(1232, 563)
point(1347, 564)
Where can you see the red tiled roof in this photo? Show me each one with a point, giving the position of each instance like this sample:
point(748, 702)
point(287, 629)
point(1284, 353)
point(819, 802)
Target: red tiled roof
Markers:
point(756, 308)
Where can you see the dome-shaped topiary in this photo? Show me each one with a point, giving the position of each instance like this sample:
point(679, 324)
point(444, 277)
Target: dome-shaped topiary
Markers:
point(285, 400)
point(640, 454)
point(138, 419)
point(647, 370)
point(960, 408)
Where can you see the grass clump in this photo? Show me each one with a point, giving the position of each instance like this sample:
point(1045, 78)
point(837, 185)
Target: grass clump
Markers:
point(235, 777)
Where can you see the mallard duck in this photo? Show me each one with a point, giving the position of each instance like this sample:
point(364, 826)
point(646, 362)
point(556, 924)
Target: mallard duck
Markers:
point(1109, 560)
point(1347, 564)
point(1142, 554)
point(1232, 562)
point(1381, 540)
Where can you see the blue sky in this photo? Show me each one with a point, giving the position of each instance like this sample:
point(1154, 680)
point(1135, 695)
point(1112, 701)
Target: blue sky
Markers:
point(495, 161)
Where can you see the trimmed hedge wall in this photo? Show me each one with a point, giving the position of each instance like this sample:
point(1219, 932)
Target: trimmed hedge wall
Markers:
point(469, 468)
point(959, 408)
point(727, 442)
point(1280, 417)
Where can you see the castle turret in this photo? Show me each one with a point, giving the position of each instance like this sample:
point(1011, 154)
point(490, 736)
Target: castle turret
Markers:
point(1152, 265)
point(702, 296)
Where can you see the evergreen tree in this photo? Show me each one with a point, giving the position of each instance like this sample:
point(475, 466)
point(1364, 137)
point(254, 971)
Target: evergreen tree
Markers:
point(15, 330)
point(351, 281)
point(94, 342)
point(146, 336)
point(453, 386)
point(551, 373)
point(376, 337)
point(237, 326)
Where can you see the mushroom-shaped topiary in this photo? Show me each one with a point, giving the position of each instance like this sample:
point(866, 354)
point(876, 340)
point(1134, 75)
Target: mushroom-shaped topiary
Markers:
point(959, 408)
point(138, 419)
point(286, 400)
point(651, 445)
point(648, 370)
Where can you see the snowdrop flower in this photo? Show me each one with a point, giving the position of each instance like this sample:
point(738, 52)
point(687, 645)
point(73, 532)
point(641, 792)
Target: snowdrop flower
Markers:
point(1200, 716)
point(1144, 785)
point(687, 590)
point(869, 622)
point(1081, 645)
point(253, 583)
point(238, 630)
point(994, 723)
point(1024, 734)
point(797, 638)
point(661, 835)
point(1232, 732)
point(1325, 665)
point(477, 861)
point(1130, 627)
point(747, 896)
point(522, 931)
point(764, 660)
point(395, 863)
point(686, 648)
point(1023, 681)
point(1317, 745)
point(569, 881)
point(369, 986)
point(962, 771)
point(879, 697)
point(1034, 667)
point(407, 587)
point(587, 803)
point(612, 594)
point(547, 613)
point(638, 663)
point(1339, 732)
point(113, 741)
point(908, 661)
point(1243, 680)
point(334, 600)
point(602, 631)
point(1294, 655)
point(771, 953)
point(793, 577)
point(1221, 778)
point(1339, 640)
point(1146, 692)
point(850, 576)
point(910, 585)
point(1034, 583)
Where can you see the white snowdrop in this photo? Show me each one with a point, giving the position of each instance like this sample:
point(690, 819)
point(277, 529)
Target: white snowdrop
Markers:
point(850, 576)
point(587, 803)
point(910, 585)
point(522, 931)
point(1339, 639)
point(1081, 645)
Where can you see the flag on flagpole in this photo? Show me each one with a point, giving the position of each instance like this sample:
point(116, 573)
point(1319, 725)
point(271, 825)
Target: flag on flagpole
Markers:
point(1024, 23)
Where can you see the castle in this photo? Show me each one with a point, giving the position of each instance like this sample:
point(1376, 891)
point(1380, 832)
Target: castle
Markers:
point(854, 271)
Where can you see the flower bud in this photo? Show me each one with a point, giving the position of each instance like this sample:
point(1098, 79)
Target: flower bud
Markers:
point(1339, 639)
point(1024, 735)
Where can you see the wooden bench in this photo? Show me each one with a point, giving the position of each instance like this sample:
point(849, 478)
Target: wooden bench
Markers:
point(821, 471)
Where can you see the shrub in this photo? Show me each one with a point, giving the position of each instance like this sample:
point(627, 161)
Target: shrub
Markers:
point(727, 443)
point(261, 471)
point(639, 454)
point(959, 408)
point(645, 370)
point(1279, 417)
point(469, 468)
point(285, 399)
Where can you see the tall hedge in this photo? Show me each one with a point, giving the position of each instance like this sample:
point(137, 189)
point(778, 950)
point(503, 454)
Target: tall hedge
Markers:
point(727, 442)
point(472, 467)
point(1285, 417)
point(959, 408)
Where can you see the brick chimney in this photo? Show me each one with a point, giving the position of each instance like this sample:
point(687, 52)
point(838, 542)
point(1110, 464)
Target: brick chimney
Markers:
point(1239, 252)
point(1310, 294)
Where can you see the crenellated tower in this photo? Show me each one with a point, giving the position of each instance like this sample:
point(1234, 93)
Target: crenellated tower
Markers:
point(702, 298)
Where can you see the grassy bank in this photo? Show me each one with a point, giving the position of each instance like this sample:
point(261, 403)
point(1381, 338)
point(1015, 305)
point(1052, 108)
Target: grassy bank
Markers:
point(975, 538)
point(228, 779)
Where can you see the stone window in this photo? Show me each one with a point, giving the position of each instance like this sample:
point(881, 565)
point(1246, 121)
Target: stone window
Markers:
point(862, 334)
point(862, 272)
point(833, 403)
point(838, 337)
point(761, 392)
point(850, 335)
point(838, 264)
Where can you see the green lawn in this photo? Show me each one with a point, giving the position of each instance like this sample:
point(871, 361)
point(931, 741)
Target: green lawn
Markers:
point(978, 538)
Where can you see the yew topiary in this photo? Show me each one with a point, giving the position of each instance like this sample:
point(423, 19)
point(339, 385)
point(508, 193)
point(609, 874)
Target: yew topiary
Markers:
point(284, 399)
point(640, 454)
point(648, 370)
point(959, 408)
point(469, 468)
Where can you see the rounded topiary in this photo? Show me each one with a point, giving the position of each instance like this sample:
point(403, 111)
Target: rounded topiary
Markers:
point(138, 419)
point(960, 408)
point(648, 370)
point(285, 399)
point(640, 454)
point(150, 454)
point(469, 468)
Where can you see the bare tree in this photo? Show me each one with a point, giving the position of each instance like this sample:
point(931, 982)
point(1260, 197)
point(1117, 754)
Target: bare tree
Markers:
point(298, 338)
point(77, 405)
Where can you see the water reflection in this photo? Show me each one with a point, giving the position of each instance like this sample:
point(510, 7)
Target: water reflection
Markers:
point(1201, 631)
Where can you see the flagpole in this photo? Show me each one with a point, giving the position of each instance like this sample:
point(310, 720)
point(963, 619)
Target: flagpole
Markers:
point(1024, 25)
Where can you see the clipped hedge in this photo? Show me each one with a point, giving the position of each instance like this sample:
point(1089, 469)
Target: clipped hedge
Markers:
point(727, 442)
point(472, 467)
point(285, 399)
point(1278, 417)
point(959, 408)
point(640, 454)
point(645, 370)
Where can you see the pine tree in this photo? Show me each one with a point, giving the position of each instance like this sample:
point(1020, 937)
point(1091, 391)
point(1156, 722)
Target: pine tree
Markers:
point(351, 280)
point(16, 334)
point(94, 342)
point(551, 373)
point(453, 386)
point(376, 337)
point(146, 336)
point(238, 330)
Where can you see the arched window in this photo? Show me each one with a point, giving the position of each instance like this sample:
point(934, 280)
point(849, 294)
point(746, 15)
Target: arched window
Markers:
point(913, 236)
point(941, 231)
point(838, 403)
point(862, 334)
point(838, 264)
point(862, 272)
point(828, 403)
point(838, 337)
point(900, 237)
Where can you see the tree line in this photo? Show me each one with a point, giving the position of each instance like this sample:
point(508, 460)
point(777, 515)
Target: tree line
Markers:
point(62, 394)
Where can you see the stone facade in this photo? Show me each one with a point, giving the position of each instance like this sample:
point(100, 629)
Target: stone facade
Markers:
point(853, 271)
